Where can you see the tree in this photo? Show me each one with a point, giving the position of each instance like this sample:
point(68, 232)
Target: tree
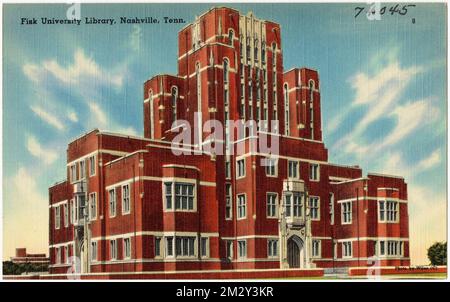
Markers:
point(437, 253)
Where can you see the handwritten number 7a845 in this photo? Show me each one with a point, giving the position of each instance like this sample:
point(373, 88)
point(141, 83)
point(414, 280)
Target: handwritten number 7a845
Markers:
point(393, 9)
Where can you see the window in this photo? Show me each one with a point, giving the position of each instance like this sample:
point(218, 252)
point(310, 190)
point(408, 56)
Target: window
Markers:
point(286, 109)
point(113, 249)
point(314, 172)
point(316, 248)
point(58, 255)
point(127, 248)
point(241, 168)
point(73, 173)
point(293, 170)
point(184, 196)
point(72, 211)
point(241, 206)
point(125, 199)
point(94, 250)
point(272, 248)
point(387, 211)
point(382, 248)
point(272, 205)
point(347, 249)
point(66, 215)
point(293, 205)
point(263, 52)
point(57, 217)
point(157, 246)
point(230, 37)
point(226, 71)
point(174, 98)
point(82, 169)
point(228, 201)
point(242, 248)
point(112, 202)
point(346, 208)
point(229, 249)
point(185, 246)
point(204, 247)
point(227, 169)
point(169, 246)
point(271, 166)
point(93, 205)
point(92, 166)
point(393, 248)
point(331, 205)
point(314, 207)
point(66, 254)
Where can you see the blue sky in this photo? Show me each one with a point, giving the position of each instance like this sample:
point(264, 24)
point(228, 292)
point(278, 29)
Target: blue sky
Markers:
point(383, 88)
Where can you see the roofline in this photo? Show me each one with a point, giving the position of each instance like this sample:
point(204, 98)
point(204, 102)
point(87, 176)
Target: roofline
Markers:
point(82, 135)
point(385, 175)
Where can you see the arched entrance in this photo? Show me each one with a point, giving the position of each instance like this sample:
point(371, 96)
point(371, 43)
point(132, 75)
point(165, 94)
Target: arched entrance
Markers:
point(295, 252)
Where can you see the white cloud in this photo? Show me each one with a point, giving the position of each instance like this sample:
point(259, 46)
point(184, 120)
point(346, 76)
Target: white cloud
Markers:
point(100, 120)
point(48, 156)
point(72, 116)
point(430, 161)
point(25, 213)
point(98, 113)
point(47, 117)
point(135, 38)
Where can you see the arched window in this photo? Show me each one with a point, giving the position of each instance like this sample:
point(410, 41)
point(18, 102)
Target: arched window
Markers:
point(151, 117)
point(226, 68)
point(256, 50)
point(230, 37)
point(248, 48)
point(263, 52)
point(174, 94)
point(274, 53)
point(311, 106)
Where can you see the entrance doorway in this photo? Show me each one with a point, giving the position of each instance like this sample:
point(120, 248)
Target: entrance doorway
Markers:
point(295, 252)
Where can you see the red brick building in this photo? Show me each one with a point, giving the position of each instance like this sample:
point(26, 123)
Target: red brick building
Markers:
point(130, 204)
point(23, 257)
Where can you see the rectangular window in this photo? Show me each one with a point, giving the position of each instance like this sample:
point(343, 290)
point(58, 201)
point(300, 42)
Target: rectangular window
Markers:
point(185, 246)
point(228, 201)
point(394, 248)
point(271, 167)
point(127, 248)
point(314, 172)
point(58, 255)
point(169, 246)
point(66, 254)
point(82, 169)
point(346, 208)
point(331, 208)
point(272, 248)
point(168, 195)
point(241, 168)
point(382, 248)
point(347, 249)
point(125, 199)
point(241, 206)
point(72, 212)
point(57, 217)
point(227, 169)
point(157, 246)
point(113, 249)
point(94, 250)
point(93, 205)
point(73, 173)
point(204, 246)
point(66, 215)
point(92, 165)
point(229, 249)
point(272, 204)
point(184, 196)
point(316, 248)
point(112, 203)
point(381, 210)
point(391, 211)
point(314, 207)
point(293, 171)
point(242, 248)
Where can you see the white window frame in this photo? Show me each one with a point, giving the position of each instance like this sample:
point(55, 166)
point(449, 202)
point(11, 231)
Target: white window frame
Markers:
point(170, 253)
point(126, 247)
point(238, 206)
point(58, 255)
point(173, 183)
point(73, 173)
point(318, 207)
point(124, 210)
point(238, 175)
point(57, 217)
point(316, 243)
point(92, 166)
point(82, 167)
point(343, 221)
point(269, 213)
point(113, 249)
point(273, 163)
point(66, 254)
point(396, 211)
point(202, 240)
point(331, 205)
point(157, 249)
point(239, 243)
point(191, 243)
point(316, 176)
point(66, 214)
point(228, 201)
point(347, 246)
point(94, 250)
point(297, 170)
point(273, 249)
point(93, 206)
point(112, 203)
point(229, 249)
